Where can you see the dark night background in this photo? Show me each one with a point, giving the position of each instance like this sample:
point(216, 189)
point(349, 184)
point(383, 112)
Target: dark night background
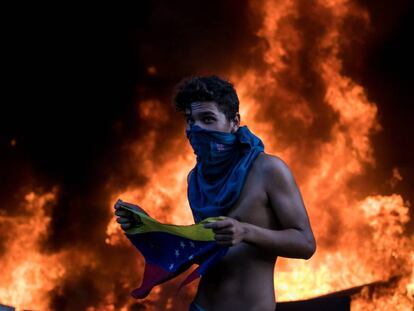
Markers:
point(74, 78)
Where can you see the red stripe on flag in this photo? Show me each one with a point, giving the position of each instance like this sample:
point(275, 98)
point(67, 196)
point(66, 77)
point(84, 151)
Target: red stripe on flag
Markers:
point(153, 275)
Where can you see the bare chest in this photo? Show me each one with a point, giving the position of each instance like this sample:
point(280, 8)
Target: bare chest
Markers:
point(253, 205)
point(229, 277)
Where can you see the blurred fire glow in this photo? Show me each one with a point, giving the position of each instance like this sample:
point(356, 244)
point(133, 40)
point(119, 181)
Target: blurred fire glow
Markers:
point(325, 137)
point(28, 273)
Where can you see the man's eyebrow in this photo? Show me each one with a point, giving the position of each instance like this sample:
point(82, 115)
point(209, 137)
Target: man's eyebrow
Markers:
point(202, 113)
point(207, 112)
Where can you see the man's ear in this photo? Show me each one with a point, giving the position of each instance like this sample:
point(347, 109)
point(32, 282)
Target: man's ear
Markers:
point(235, 122)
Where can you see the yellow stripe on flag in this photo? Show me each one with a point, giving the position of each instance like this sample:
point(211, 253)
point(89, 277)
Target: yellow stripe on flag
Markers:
point(193, 232)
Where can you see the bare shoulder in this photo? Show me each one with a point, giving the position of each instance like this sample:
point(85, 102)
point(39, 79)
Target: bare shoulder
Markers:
point(275, 173)
point(268, 163)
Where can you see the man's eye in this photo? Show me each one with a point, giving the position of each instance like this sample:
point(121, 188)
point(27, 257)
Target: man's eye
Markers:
point(208, 118)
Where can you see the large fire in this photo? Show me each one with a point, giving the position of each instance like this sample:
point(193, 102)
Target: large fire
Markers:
point(298, 89)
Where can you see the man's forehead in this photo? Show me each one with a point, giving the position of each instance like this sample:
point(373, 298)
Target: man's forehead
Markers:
point(201, 107)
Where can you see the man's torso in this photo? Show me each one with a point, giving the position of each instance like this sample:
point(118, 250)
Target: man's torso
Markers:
point(243, 279)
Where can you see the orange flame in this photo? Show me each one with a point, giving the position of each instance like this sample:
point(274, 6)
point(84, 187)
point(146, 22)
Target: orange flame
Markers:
point(369, 244)
point(28, 273)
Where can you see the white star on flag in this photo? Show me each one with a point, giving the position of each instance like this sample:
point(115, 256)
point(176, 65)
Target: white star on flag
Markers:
point(182, 244)
point(171, 266)
point(192, 244)
point(190, 257)
point(177, 253)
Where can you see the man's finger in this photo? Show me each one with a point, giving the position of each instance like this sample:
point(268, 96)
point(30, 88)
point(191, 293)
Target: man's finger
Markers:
point(117, 204)
point(218, 224)
point(122, 220)
point(224, 230)
point(125, 226)
point(222, 237)
point(134, 206)
point(122, 212)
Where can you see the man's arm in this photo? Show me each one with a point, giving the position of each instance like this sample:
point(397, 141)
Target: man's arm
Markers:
point(295, 239)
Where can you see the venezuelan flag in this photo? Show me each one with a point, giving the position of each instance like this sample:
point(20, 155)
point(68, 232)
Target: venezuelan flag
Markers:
point(170, 250)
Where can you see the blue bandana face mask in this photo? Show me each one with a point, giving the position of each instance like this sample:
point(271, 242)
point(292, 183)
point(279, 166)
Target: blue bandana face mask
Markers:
point(223, 162)
point(213, 149)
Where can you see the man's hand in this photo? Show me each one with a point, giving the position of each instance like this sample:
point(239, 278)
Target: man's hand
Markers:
point(228, 232)
point(126, 218)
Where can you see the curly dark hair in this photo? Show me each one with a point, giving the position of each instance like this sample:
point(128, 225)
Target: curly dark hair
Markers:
point(207, 88)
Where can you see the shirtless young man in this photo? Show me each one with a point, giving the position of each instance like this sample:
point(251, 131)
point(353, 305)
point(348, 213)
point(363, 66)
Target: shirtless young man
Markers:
point(268, 220)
